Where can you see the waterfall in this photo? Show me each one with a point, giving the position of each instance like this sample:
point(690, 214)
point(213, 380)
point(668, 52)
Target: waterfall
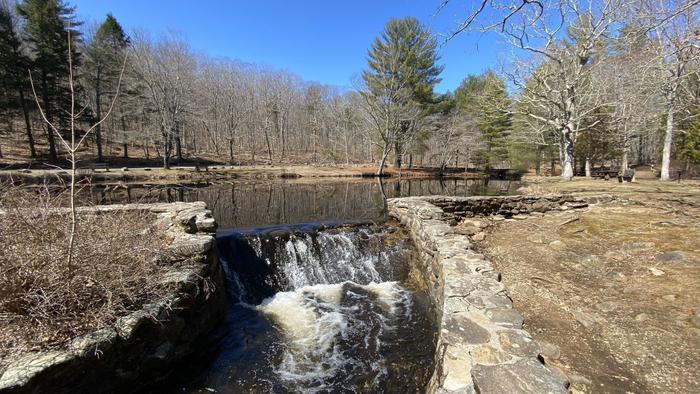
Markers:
point(321, 311)
point(262, 264)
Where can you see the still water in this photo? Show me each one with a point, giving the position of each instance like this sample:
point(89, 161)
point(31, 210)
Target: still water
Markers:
point(247, 204)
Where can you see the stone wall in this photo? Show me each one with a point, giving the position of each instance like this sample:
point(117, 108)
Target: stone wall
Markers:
point(482, 347)
point(507, 206)
point(141, 348)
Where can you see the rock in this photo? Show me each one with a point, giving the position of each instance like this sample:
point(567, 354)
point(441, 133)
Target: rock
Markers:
point(537, 238)
point(191, 244)
point(579, 379)
point(695, 319)
point(164, 351)
point(656, 271)
point(635, 246)
point(520, 217)
point(524, 376)
point(207, 225)
point(559, 374)
point(518, 343)
point(586, 320)
point(460, 329)
point(473, 223)
point(467, 230)
point(541, 206)
point(549, 350)
point(497, 218)
point(486, 354)
point(92, 342)
point(23, 370)
point(559, 245)
point(641, 317)
point(125, 169)
point(669, 297)
point(607, 306)
point(669, 257)
point(479, 237)
point(591, 259)
point(456, 371)
point(506, 317)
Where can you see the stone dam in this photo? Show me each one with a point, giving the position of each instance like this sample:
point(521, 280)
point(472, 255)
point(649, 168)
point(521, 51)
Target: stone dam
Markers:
point(404, 306)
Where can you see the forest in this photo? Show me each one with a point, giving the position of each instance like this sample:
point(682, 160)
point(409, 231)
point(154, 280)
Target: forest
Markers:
point(590, 83)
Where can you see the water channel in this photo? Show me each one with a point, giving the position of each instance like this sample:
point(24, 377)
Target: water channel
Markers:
point(322, 286)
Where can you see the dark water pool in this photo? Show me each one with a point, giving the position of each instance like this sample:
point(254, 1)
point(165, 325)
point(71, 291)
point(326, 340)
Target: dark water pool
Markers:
point(243, 204)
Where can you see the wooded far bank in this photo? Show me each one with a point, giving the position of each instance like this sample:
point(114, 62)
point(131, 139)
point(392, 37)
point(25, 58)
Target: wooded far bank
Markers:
point(591, 83)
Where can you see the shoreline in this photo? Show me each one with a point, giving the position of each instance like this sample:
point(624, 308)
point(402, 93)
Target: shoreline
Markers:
point(193, 175)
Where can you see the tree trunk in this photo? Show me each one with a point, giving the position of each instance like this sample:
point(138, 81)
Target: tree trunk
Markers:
point(668, 139)
point(166, 149)
point(588, 167)
point(624, 162)
point(27, 124)
point(397, 155)
point(385, 153)
point(267, 142)
point(567, 172)
point(538, 161)
point(178, 144)
point(49, 116)
point(98, 115)
point(126, 151)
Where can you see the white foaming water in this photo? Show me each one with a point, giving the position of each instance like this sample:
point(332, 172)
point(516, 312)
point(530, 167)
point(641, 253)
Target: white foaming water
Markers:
point(329, 258)
point(332, 329)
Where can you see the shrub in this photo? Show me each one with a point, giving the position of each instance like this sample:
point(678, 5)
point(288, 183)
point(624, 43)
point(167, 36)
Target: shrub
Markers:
point(43, 303)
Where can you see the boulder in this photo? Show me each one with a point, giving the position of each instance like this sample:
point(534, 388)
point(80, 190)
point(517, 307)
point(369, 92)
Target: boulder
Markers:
point(524, 376)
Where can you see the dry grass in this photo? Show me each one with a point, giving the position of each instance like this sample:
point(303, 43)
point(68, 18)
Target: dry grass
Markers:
point(43, 303)
point(562, 269)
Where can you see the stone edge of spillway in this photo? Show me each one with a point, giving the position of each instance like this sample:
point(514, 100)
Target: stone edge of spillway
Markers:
point(481, 345)
point(143, 346)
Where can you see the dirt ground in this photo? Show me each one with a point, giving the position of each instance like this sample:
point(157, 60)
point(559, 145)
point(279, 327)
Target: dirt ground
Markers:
point(612, 292)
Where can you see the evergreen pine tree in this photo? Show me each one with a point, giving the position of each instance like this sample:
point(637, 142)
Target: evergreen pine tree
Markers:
point(406, 53)
point(483, 98)
point(47, 26)
point(104, 58)
point(13, 72)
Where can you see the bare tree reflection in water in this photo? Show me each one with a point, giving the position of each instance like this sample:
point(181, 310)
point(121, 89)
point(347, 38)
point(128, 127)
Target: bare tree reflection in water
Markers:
point(251, 204)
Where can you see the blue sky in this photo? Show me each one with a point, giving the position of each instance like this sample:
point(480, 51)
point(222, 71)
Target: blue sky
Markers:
point(324, 41)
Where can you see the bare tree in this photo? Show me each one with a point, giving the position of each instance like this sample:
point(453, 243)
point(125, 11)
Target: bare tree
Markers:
point(166, 70)
point(386, 106)
point(75, 141)
point(674, 25)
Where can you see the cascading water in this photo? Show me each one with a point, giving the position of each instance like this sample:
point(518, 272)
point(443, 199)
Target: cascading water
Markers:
point(321, 312)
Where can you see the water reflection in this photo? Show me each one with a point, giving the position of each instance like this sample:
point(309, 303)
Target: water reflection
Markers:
point(251, 204)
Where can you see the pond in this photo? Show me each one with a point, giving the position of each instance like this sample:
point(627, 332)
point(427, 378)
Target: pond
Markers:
point(245, 204)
